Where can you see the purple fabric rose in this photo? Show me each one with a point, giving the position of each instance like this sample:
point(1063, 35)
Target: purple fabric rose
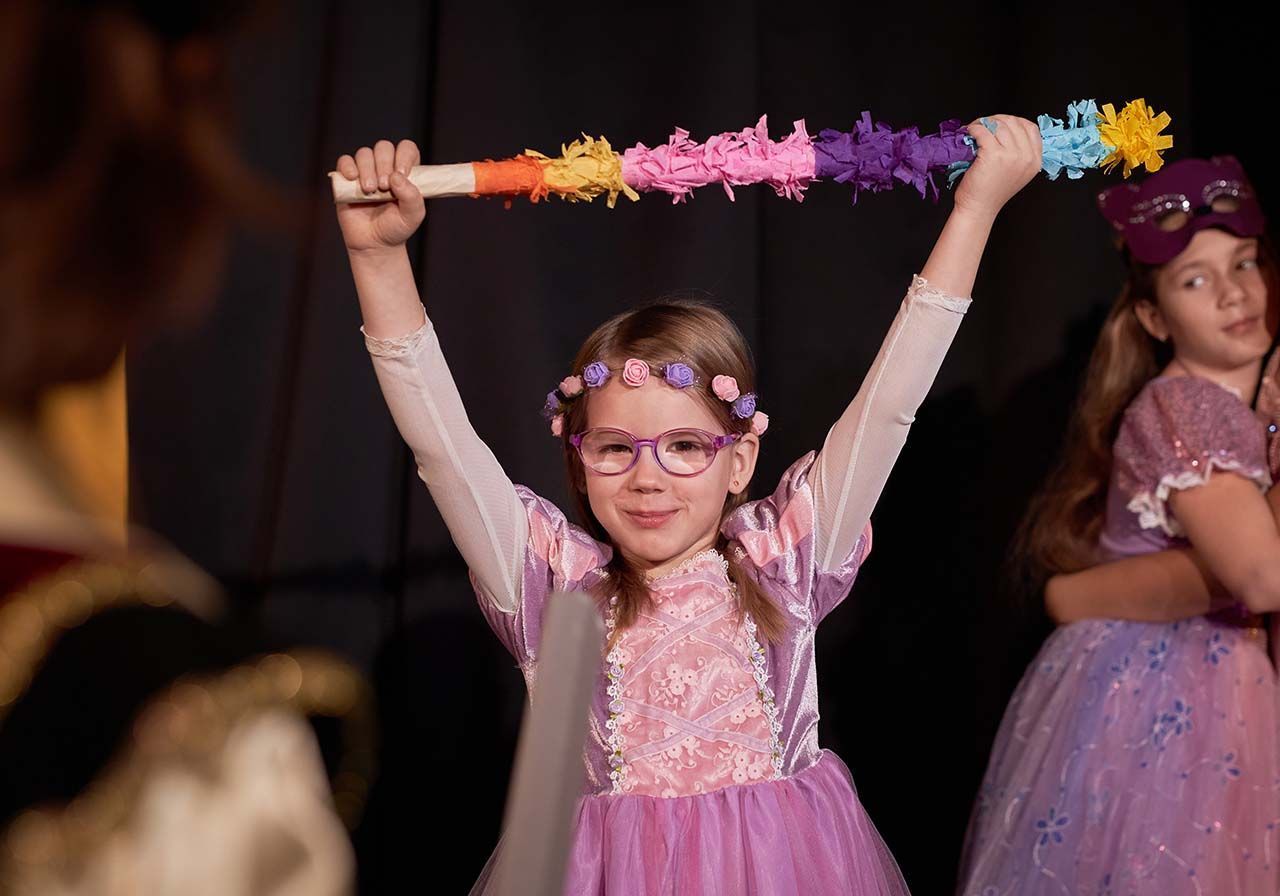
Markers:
point(745, 406)
point(552, 407)
point(595, 374)
point(679, 375)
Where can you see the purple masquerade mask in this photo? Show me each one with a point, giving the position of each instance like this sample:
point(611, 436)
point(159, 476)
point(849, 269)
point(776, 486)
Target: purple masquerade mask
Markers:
point(1158, 217)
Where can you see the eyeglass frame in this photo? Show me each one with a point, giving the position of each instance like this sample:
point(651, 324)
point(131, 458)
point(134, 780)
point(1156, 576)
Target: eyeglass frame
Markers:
point(717, 443)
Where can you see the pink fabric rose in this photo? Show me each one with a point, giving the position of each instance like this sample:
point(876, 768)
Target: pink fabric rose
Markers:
point(557, 425)
point(725, 387)
point(759, 422)
point(571, 386)
point(635, 372)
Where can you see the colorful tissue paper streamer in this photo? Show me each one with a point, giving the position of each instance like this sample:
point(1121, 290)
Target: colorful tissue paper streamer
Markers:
point(871, 157)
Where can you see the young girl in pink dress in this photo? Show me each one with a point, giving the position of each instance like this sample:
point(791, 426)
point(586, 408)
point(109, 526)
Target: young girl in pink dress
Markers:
point(1139, 753)
point(703, 770)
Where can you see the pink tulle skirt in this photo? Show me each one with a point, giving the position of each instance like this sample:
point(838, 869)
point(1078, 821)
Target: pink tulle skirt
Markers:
point(804, 834)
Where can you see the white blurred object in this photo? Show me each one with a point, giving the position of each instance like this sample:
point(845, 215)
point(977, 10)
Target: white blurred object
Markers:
point(259, 822)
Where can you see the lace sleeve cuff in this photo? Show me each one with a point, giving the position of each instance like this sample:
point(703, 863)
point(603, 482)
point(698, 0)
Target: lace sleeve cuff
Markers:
point(923, 291)
point(399, 345)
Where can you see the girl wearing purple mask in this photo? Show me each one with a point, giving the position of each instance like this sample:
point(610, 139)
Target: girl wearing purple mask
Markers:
point(1139, 752)
point(703, 770)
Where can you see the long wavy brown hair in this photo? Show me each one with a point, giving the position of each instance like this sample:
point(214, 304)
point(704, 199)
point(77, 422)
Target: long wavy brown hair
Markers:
point(1059, 533)
point(697, 334)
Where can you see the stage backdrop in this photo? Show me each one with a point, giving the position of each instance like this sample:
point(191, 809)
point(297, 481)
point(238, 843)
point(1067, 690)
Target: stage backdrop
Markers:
point(261, 447)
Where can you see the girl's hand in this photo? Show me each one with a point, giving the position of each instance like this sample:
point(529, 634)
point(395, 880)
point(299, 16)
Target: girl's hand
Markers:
point(382, 225)
point(1008, 159)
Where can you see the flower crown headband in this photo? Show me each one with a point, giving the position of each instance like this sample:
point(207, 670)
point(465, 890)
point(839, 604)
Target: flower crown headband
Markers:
point(635, 373)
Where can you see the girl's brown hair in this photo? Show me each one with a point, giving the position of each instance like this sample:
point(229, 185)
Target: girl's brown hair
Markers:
point(695, 333)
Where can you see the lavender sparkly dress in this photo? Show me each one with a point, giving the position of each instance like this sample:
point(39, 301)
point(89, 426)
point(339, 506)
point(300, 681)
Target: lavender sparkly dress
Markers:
point(1140, 758)
point(704, 774)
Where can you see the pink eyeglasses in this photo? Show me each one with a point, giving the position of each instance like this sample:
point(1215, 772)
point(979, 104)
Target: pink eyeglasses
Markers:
point(680, 452)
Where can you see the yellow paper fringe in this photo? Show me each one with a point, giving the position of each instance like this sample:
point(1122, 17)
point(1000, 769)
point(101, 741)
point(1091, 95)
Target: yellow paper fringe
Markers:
point(586, 168)
point(1134, 137)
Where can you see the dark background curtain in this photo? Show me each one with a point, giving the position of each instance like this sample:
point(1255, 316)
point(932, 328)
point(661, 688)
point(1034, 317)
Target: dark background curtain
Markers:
point(261, 447)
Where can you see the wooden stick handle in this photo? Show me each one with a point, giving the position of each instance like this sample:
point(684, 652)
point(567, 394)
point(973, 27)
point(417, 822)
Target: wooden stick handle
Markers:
point(433, 181)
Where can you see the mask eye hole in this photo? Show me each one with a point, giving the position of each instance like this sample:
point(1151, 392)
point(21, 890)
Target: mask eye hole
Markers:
point(1171, 220)
point(1225, 204)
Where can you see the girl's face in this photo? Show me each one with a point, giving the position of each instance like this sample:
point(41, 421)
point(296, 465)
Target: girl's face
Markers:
point(654, 518)
point(1211, 303)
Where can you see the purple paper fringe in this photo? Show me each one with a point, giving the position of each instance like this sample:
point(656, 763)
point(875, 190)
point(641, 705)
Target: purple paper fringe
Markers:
point(873, 156)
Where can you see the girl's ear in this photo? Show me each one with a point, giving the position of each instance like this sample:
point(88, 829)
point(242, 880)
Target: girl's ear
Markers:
point(745, 453)
point(1152, 319)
